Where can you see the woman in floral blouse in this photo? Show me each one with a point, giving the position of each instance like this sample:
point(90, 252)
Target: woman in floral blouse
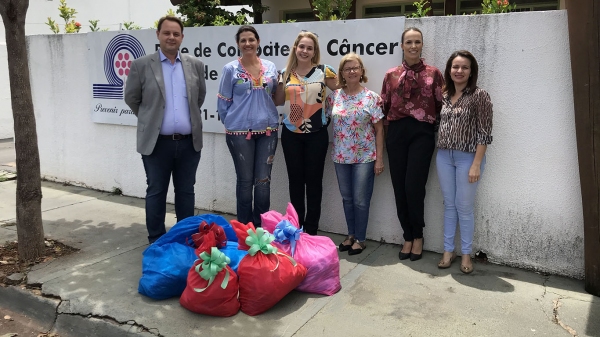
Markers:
point(304, 137)
point(357, 147)
point(412, 100)
point(246, 108)
point(465, 132)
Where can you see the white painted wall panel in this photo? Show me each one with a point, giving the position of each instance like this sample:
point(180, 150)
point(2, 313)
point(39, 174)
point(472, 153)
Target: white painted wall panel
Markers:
point(528, 210)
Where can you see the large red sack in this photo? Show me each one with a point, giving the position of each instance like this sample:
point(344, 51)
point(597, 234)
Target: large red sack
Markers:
point(265, 275)
point(212, 286)
point(317, 253)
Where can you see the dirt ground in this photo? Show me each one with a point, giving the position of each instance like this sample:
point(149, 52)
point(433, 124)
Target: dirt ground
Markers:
point(10, 263)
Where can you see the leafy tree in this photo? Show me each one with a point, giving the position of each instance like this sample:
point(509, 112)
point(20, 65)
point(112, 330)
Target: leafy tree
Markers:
point(30, 233)
point(198, 13)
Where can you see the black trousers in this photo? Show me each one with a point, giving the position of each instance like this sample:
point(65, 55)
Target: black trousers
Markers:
point(410, 146)
point(305, 160)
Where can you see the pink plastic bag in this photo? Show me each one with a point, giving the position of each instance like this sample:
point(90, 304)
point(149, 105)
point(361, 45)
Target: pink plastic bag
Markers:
point(317, 253)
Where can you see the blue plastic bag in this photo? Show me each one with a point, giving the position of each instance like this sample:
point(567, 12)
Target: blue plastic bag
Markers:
point(166, 263)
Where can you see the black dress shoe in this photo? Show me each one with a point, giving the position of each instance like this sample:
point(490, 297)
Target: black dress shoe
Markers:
point(403, 256)
point(344, 247)
point(353, 251)
point(415, 257)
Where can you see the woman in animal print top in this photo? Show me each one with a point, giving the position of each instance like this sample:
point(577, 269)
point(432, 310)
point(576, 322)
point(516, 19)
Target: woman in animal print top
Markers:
point(464, 134)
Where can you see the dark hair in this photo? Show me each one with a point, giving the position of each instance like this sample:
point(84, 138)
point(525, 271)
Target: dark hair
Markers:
point(408, 30)
point(472, 82)
point(169, 18)
point(246, 29)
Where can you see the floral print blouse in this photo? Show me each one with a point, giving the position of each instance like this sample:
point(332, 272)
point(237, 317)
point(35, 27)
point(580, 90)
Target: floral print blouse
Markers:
point(245, 104)
point(422, 102)
point(353, 131)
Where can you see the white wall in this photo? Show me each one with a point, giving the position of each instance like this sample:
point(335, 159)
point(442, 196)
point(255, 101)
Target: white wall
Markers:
point(111, 13)
point(528, 210)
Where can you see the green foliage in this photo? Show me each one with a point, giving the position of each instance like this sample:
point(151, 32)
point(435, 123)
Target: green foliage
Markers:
point(208, 13)
point(497, 6)
point(324, 9)
point(284, 21)
point(53, 26)
point(68, 14)
point(422, 9)
point(129, 25)
point(343, 7)
point(94, 25)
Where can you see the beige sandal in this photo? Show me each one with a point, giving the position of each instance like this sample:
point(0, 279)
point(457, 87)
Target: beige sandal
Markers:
point(467, 269)
point(443, 264)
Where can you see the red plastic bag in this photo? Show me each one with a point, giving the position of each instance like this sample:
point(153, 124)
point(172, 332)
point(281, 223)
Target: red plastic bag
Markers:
point(205, 228)
point(212, 286)
point(317, 253)
point(265, 275)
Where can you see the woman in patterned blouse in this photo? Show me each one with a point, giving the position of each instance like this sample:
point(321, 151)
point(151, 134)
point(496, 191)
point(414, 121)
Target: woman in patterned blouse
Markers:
point(304, 137)
point(246, 108)
point(412, 100)
point(464, 134)
point(357, 147)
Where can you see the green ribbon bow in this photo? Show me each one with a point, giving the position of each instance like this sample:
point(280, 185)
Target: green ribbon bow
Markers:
point(211, 265)
point(260, 241)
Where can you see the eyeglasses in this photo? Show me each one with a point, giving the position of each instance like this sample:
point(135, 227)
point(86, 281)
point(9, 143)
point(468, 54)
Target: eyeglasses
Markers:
point(306, 31)
point(352, 70)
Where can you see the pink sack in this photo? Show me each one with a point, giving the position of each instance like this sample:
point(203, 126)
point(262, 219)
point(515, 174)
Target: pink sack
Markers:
point(317, 253)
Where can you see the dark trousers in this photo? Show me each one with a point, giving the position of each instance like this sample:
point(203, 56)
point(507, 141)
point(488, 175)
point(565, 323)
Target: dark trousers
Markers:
point(179, 159)
point(410, 146)
point(305, 160)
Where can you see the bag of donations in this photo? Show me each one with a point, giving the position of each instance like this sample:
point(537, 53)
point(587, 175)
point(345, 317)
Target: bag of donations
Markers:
point(317, 253)
point(265, 275)
point(212, 286)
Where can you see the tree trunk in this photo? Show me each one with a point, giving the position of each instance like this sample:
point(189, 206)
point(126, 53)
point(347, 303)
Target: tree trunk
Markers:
point(30, 231)
point(258, 12)
point(584, 39)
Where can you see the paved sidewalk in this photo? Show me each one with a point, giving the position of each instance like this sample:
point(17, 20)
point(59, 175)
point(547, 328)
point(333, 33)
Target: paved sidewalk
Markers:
point(94, 292)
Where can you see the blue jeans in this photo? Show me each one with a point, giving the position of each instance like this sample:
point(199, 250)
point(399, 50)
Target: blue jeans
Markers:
point(356, 187)
point(169, 157)
point(253, 160)
point(459, 196)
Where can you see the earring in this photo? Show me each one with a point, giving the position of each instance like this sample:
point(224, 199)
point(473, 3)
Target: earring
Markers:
point(361, 78)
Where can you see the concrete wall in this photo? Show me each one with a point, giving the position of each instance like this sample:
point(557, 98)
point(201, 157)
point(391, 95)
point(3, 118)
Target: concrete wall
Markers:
point(111, 13)
point(528, 210)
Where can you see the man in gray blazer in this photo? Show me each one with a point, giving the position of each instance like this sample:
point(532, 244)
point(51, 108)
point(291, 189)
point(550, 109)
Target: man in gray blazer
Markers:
point(165, 90)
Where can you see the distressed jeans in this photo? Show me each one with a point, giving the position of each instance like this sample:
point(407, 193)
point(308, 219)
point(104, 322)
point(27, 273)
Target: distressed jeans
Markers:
point(253, 161)
point(459, 196)
point(356, 187)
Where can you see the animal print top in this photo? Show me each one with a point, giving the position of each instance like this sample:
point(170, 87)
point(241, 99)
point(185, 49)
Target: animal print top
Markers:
point(467, 123)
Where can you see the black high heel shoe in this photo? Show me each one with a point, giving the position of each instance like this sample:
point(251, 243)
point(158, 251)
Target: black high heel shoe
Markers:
point(404, 256)
point(415, 257)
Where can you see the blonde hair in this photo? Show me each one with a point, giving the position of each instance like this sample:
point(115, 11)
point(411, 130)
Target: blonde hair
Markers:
point(347, 58)
point(292, 62)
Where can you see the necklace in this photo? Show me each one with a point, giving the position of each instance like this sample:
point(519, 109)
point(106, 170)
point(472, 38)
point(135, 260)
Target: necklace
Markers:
point(255, 81)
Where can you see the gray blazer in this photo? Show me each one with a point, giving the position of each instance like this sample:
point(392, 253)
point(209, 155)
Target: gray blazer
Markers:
point(145, 95)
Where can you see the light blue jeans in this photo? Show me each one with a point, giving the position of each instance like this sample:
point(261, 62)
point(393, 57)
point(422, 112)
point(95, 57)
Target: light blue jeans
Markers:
point(459, 196)
point(356, 187)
